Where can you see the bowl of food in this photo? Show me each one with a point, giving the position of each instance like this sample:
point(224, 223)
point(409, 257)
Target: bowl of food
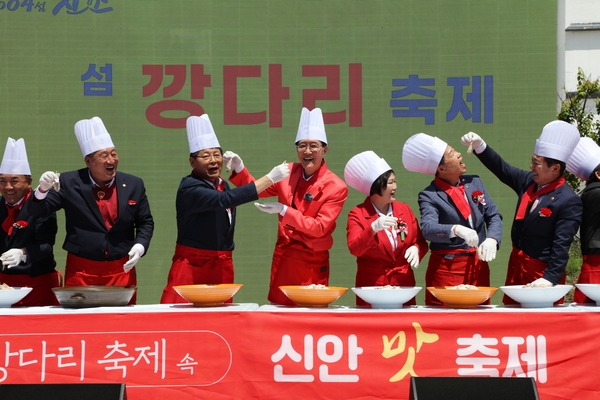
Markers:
point(536, 297)
point(462, 296)
point(591, 290)
point(10, 295)
point(93, 296)
point(313, 295)
point(386, 297)
point(208, 295)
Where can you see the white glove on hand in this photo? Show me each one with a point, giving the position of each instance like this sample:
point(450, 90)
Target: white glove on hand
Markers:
point(412, 256)
point(47, 180)
point(487, 250)
point(279, 173)
point(384, 222)
point(12, 258)
point(270, 208)
point(541, 282)
point(232, 160)
point(136, 252)
point(469, 235)
point(474, 141)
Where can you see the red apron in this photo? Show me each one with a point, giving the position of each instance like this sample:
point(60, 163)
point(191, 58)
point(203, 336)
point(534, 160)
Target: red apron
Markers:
point(522, 270)
point(196, 266)
point(296, 266)
point(374, 275)
point(590, 273)
point(83, 272)
point(41, 294)
point(452, 268)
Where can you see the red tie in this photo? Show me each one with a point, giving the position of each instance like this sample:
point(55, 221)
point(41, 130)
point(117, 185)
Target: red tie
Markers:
point(13, 211)
point(530, 195)
point(221, 188)
point(457, 194)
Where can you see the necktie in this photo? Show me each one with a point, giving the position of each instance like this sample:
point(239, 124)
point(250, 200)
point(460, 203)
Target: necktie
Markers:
point(530, 195)
point(457, 194)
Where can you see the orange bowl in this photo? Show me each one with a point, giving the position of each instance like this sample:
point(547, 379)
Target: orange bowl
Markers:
point(208, 295)
point(305, 296)
point(462, 298)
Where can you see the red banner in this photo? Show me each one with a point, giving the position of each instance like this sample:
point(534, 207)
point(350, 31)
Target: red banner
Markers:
point(274, 355)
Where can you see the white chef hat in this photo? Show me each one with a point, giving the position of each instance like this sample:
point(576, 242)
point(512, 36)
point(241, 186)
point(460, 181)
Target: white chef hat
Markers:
point(200, 133)
point(15, 161)
point(585, 158)
point(311, 126)
point(92, 135)
point(363, 169)
point(557, 141)
point(423, 153)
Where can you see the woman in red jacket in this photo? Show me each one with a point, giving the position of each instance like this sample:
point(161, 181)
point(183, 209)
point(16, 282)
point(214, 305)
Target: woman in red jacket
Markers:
point(382, 233)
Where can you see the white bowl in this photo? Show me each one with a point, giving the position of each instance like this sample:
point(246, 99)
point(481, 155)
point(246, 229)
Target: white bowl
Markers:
point(536, 297)
point(591, 290)
point(386, 297)
point(9, 297)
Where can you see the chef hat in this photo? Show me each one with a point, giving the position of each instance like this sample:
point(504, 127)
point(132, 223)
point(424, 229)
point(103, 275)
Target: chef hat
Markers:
point(15, 161)
point(311, 126)
point(200, 133)
point(557, 141)
point(92, 136)
point(423, 153)
point(585, 158)
point(363, 169)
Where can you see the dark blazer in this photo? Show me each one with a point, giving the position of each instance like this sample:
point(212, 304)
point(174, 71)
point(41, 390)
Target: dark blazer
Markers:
point(439, 215)
point(87, 236)
point(37, 238)
point(545, 238)
point(202, 219)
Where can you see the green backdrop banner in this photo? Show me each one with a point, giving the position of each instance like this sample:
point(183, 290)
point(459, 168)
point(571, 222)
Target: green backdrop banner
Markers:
point(381, 70)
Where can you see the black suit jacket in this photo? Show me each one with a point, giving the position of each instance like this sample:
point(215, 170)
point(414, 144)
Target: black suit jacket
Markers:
point(37, 238)
point(87, 236)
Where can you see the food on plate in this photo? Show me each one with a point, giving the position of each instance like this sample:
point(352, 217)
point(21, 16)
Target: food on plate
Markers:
point(314, 286)
point(537, 285)
point(463, 287)
point(4, 286)
point(387, 287)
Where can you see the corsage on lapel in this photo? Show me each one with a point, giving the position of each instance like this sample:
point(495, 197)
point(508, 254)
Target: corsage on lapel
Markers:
point(131, 202)
point(402, 229)
point(478, 197)
point(545, 212)
point(20, 224)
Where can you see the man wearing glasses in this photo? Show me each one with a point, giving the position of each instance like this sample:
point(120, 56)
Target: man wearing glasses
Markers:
point(309, 202)
point(25, 242)
point(107, 215)
point(206, 213)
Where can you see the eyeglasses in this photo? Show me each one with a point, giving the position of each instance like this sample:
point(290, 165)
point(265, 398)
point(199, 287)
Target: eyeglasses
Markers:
point(311, 146)
point(208, 157)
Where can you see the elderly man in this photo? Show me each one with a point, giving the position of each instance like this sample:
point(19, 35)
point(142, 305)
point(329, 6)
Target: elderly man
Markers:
point(204, 256)
point(310, 200)
point(458, 216)
point(25, 242)
point(548, 211)
point(107, 215)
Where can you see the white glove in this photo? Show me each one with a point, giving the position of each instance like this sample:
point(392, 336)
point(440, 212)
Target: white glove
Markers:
point(412, 256)
point(384, 222)
point(541, 282)
point(136, 252)
point(270, 208)
point(487, 250)
point(47, 180)
point(474, 141)
point(469, 235)
point(12, 258)
point(234, 161)
point(279, 173)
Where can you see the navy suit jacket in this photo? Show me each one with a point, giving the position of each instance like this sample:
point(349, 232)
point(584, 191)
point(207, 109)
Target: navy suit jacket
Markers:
point(87, 236)
point(545, 238)
point(439, 215)
point(202, 219)
point(37, 238)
